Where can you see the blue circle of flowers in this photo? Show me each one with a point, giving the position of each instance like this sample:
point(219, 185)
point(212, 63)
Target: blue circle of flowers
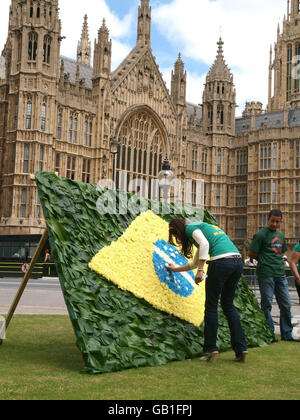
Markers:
point(175, 281)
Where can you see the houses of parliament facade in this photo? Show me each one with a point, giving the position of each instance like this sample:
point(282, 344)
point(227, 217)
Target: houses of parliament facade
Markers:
point(61, 115)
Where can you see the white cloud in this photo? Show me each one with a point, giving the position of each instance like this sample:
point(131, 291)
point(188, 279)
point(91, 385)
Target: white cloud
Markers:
point(248, 29)
point(97, 10)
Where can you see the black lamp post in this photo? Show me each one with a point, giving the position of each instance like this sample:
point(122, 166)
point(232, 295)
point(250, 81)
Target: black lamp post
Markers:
point(165, 178)
point(114, 150)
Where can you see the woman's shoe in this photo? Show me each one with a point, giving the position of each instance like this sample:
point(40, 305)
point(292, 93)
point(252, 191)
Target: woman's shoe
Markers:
point(209, 357)
point(242, 357)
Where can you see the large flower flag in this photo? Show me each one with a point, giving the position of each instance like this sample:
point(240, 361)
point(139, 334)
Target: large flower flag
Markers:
point(137, 261)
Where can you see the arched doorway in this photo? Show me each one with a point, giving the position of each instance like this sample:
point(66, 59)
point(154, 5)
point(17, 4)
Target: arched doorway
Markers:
point(143, 145)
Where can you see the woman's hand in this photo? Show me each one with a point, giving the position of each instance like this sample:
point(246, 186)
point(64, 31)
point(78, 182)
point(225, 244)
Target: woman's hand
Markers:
point(199, 277)
point(171, 267)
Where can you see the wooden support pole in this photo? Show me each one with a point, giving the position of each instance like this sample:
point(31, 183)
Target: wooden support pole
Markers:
point(25, 280)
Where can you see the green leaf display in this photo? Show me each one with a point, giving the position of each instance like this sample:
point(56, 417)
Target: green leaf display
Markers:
point(114, 329)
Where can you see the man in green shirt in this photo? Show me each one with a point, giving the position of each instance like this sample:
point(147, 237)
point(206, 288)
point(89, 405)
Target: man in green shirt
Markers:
point(268, 247)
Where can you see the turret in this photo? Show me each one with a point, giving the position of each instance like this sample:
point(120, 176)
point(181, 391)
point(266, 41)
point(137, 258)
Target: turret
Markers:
point(144, 24)
point(102, 53)
point(295, 8)
point(34, 35)
point(84, 47)
point(178, 83)
point(284, 81)
point(219, 97)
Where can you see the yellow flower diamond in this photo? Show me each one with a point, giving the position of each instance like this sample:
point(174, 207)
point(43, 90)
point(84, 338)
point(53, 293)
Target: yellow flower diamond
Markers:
point(136, 262)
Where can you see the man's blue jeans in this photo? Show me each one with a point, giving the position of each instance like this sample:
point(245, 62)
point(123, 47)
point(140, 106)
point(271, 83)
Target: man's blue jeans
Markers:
point(279, 287)
point(222, 280)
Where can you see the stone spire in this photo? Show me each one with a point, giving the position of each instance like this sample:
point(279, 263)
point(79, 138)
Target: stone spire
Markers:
point(144, 24)
point(219, 70)
point(102, 52)
point(84, 46)
point(178, 83)
point(219, 97)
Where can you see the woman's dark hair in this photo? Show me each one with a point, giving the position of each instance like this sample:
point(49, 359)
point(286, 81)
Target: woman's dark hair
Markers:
point(177, 231)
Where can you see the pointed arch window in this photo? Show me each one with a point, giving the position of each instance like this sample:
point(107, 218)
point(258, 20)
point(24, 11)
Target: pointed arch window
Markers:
point(57, 163)
point(38, 207)
point(71, 167)
point(230, 116)
point(41, 160)
point(59, 125)
point(194, 160)
point(86, 171)
point(47, 49)
point(141, 153)
point(23, 206)
point(219, 162)
point(32, 46)
point(296, 63)
point(88, 132)
point(204, 162)
point(26, 159)
point(210, 116)
point(75, 127)
point(289, 72)
point(43, 121)
point(220, 115)
point(85, 136)
point(19, 47)
point(70, 136)
point(16, 116)
point(28, 115)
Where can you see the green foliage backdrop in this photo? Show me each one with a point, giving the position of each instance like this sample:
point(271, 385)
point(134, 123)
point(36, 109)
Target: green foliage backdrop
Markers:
point(114, 329)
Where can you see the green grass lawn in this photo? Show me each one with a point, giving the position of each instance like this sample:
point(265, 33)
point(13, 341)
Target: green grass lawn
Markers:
point(39, 360)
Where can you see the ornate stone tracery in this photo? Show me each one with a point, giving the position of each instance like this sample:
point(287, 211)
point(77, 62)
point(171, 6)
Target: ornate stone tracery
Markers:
point(142, 146)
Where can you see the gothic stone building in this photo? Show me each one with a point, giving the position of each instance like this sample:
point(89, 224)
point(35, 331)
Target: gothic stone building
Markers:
point(60, 115)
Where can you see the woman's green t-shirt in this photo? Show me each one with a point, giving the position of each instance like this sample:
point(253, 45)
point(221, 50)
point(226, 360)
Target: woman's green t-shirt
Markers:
point(297, 249)
point(219, 242)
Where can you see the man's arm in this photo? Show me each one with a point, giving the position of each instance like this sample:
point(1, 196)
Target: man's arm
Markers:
point(255, 247)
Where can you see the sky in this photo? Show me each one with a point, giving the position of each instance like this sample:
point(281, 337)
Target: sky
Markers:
point(191, 27)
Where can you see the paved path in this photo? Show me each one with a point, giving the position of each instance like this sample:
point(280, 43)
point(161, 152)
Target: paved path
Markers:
point(41, 296)
point(44, 296)
point(276, 312)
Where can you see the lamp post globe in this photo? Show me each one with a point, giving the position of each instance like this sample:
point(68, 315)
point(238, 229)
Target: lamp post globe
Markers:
point(114, 150)
point(165, 178)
